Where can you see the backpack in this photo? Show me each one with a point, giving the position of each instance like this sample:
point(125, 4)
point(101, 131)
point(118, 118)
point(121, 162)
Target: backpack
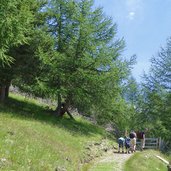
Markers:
point(132, 135)
point(127, 141)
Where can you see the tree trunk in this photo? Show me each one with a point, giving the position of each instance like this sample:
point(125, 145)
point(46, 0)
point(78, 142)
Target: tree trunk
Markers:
point(66, 106)
point(2, 93)
point(62, 108)
point(58, 109)
point(7, 91)
point(69, 114)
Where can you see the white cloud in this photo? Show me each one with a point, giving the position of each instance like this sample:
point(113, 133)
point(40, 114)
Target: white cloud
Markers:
point(131, 15)
point(134, 8)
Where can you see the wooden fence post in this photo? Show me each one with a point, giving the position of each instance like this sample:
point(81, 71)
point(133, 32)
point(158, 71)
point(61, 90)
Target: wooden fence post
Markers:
point(169, 167)
point(160, 143)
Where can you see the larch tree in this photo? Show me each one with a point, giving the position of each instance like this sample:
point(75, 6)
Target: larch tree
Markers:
point(160, 71)
point(156, 107)
point(85, 69)
point(18, 29)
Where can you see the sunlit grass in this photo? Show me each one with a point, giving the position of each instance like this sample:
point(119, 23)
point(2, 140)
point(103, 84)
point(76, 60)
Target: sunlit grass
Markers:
point(145, 161)
point(105, 166)
point(32, 139)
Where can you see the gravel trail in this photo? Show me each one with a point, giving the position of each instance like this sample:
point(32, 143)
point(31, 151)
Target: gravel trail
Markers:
point(113, 161)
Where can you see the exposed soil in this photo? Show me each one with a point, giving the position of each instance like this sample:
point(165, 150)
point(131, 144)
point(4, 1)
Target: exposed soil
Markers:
point(113, 158)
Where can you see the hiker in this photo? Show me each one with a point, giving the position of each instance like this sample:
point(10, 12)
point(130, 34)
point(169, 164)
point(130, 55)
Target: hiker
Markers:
point(133, 137)
point(127, 144)
point(121, 143)
point(141, 137)
point(133, 134)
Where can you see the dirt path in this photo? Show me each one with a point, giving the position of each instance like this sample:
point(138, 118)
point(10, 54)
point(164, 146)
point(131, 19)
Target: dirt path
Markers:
point(111, 162)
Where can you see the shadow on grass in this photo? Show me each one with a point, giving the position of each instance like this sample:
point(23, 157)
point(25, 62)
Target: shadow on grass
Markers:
point(29, 110)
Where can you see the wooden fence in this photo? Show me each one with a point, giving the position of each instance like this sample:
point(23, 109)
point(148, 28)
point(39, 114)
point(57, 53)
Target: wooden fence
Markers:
point(166, 162)
point(151, 143)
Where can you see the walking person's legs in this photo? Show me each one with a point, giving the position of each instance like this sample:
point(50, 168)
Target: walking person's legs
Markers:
point(120, 145)
point(142, 143)
point(133, 144)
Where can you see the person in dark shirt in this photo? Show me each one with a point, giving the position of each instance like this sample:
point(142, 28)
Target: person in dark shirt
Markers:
point(141, 137)
point(127, 144)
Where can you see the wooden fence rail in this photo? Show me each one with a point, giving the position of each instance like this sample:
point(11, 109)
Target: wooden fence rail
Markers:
point(150, 143)
point(166, 162)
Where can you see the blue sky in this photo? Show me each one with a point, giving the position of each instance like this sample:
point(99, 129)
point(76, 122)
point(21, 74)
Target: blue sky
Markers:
point(145, 26)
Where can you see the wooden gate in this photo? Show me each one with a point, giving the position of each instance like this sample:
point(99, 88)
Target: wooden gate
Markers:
point(150, 143)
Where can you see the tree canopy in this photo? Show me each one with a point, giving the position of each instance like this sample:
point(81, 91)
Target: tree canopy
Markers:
point(20, 37)
point(16, 17)
point(68, 51)
point(85, 67)
point(156, 106)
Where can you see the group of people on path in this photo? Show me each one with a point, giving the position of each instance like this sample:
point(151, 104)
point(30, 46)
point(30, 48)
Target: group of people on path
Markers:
point(129, 142)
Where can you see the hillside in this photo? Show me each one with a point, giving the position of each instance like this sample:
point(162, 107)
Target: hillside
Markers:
point(32, 139)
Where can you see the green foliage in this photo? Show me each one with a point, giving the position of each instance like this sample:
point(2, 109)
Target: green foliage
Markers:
point(155, 109)
point(26, 65)
point(159, 76)
point(69, 52)
point(145, 161)
point(15, 17)
point(84, 68)
point(127, 106)
point(130, 90)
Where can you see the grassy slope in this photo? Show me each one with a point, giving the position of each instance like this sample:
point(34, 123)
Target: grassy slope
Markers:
point(104, 167)
point(31, 139)
point(146, 161)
